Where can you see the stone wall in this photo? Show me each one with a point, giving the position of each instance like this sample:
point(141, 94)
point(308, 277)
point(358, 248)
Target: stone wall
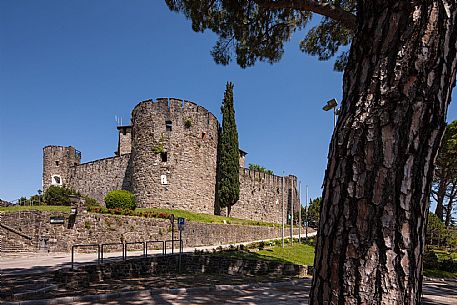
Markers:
point(261, 196)
point(97, 178)
point(124, 143)
point(58, 161)
point(190, 264)
point(174, 152)
point(90, 228)
point(167, 158)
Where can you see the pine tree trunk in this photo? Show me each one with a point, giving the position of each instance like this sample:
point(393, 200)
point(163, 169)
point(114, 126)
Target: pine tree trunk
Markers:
point(450, 205)
point(397, 87)
point(439, 211)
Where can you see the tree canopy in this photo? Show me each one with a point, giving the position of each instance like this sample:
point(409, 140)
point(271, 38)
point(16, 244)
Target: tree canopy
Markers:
point(255, 30)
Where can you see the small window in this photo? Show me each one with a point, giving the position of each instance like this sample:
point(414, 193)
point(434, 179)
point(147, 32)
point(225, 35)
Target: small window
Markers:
point(57, 163)
point(203, 135)
point(56, 180)
point(168, 125)
point(163, 156)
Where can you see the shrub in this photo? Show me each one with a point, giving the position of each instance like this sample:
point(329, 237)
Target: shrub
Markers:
point(59, 195)
point(431, 260)
point(448, 265)
point(120, 199)
point(188, 123)
point(91, 202)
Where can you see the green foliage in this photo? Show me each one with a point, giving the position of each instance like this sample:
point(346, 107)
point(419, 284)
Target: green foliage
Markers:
point(43, 208)
point(259, 168)
point(250, 32)
point(300, 254)
point(431, 260)
point(188, 123)
point(438, 234)
point(189, 216)
point(120, 199)
point(440, 263)
point(158, 148)
point(314, 212)
point(91, 202)
point(59, 195)
point(444, 187)
point(228, 181)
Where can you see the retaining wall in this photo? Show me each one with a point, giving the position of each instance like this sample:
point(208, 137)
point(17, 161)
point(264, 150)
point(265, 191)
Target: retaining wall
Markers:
point(89, 228)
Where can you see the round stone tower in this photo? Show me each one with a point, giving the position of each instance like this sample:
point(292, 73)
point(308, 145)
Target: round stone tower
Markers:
point(174, 154)
point(57, 164)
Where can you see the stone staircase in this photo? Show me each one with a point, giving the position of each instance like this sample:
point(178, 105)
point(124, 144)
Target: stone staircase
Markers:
point(13, 241)
point(14, 287)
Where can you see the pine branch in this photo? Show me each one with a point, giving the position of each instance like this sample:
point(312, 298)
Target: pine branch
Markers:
point(345, 18)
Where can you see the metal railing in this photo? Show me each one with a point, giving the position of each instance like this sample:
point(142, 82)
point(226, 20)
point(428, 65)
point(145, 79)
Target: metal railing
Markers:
point(84, 246)
point(135, 243)
point(112, 244)
point(172, 241)
point(154, 242)
point(101, 248)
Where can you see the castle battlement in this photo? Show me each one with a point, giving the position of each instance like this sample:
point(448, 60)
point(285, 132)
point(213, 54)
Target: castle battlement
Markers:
point(167, 157)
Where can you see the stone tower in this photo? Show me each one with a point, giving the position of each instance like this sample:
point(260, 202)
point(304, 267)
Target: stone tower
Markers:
point(57, 164)
point(124, 145)
point(174, 153)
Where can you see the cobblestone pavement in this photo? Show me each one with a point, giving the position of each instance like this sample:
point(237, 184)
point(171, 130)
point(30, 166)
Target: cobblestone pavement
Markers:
point(436, 292)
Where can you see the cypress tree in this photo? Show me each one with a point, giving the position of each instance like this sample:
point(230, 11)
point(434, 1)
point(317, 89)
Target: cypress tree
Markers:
point(228, 180)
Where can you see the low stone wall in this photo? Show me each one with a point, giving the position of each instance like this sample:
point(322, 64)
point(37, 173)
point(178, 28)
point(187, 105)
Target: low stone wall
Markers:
point(88, 228)
point(190, 263)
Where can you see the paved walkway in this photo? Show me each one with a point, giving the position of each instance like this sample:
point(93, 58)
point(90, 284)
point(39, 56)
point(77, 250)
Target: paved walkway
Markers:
point(437, 292)
point(27, 263)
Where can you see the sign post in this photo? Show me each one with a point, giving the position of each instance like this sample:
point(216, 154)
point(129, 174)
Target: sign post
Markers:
point(181, 228)
point(172, 220)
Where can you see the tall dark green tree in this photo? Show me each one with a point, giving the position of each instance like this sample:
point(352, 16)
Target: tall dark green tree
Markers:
point(398, 78)
point(228, 178)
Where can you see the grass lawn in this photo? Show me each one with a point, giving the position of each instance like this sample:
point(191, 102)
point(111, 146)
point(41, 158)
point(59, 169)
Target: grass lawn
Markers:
point(440, 274)
point(43, 208)
point(299, 254)
point(442, 255)
point(207, 218)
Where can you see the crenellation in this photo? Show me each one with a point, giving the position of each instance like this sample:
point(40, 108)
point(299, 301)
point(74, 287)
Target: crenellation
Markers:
point(168, 163)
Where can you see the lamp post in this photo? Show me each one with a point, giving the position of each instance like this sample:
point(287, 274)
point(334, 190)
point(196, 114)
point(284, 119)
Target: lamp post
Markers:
point(332, 104)
point(282, 210)
point(299, 212)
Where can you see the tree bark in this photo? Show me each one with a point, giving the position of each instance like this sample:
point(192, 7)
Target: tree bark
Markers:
point(450, 204)
point(397, 87)
point(439, 211)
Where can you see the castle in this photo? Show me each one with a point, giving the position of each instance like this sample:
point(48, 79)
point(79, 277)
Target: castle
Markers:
point(167, 157)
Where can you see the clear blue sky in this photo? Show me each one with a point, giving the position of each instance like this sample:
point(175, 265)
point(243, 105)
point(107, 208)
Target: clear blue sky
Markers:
point(68, 67)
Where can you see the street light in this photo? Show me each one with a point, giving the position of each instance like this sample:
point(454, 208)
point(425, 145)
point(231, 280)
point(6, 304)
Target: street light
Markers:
point(332, 104)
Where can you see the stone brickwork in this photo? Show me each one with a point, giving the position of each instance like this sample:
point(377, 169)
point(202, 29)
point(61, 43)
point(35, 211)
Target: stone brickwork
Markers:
point(125, 140)
point(57, 162)
point(97, 178)
point(174, 155)
point(261, 196)
point(190, 264)
point(88, 228)
point(167, 158)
